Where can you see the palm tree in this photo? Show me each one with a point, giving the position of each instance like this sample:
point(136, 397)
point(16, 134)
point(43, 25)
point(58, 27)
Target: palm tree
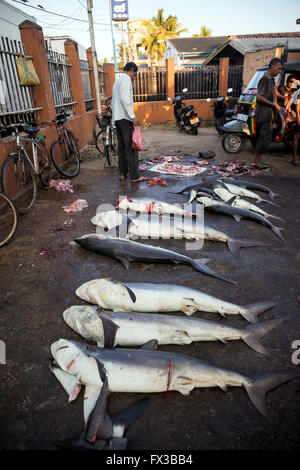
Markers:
point(160, 29)
point(205, 32)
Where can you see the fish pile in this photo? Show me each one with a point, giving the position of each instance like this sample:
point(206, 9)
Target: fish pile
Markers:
point(121, 361)
point(154, 181)
point(61, 185)
point(75, 206)
point(177, 169)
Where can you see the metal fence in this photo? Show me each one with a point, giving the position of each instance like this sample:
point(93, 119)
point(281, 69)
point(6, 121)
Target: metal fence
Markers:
point(235, 79)
point(86, 83)
point(16, 102)
point(201, 82)
point(101, 76)
point(150, 85)
point(60, 81)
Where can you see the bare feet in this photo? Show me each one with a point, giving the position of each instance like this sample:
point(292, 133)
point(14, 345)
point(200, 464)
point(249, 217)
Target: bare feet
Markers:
point(122, 177)
point(141, 178)
point(295, 162)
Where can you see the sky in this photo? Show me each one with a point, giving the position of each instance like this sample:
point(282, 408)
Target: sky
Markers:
point(222, 17)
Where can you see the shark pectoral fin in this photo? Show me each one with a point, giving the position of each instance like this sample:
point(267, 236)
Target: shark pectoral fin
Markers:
point(150, 345)
point(223, 387)
point(109, 329)
point(190, 306)
point(91, 395)
point(128, 415)
point(221, 312)
point(236, 217)
point(181, 337)
point(231, 200)
point(131, 293)
point(185, 385)
point(69, 382)
point(223, 340)
point(124, 261)
point(97, 416)
point(203, 261)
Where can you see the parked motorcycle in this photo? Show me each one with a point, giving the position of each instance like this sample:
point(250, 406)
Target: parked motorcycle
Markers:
point(221, 112)
point(243, 126)
point(186, 116)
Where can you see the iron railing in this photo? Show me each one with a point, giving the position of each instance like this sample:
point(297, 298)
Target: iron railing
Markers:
point(86, 83)
point(16, 102)
point(235, 79)
point(60, 81)
point(150, 85)
point(201, 82)
point(101, 76)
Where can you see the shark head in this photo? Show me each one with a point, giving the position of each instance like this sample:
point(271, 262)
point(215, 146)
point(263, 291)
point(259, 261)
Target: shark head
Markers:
point(84, 320)
point(68, 354)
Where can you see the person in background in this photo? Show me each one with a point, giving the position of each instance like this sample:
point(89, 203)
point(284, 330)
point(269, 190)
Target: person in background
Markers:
point(296, 108)
point(287, 89)
point(266, 102)
point(124, 119)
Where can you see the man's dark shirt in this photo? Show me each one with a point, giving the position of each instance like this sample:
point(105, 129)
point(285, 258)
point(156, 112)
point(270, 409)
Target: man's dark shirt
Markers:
point(266, 87)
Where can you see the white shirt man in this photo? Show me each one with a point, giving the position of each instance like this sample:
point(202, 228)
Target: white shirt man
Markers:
point(122, 101)
point(124, 119)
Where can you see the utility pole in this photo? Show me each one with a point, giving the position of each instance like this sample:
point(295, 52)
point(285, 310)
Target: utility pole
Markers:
point(112, 36)
point(94, 55)
point(124, 44)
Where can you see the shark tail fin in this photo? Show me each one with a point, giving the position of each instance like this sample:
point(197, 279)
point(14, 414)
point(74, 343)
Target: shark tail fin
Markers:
point(277, 231)
point(200, 265)
point(252, 334)
point(250, 312)
point(268, 202)
point(234, 245)
point(260, 383)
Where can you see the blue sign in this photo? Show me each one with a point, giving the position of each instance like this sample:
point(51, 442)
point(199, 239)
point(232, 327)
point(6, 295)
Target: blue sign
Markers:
point(119, 10)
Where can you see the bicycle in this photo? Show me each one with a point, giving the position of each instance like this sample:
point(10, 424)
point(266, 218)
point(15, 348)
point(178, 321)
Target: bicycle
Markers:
point(18, 173)
point(106, 140)
point(8, 219)
point(65, 152)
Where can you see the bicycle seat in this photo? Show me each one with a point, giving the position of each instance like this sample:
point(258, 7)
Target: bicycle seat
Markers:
point(61, 121)
point(31, 130)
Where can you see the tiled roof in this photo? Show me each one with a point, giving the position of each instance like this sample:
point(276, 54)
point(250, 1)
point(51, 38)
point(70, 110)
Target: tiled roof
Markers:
point(266, 35)
point(197, 45)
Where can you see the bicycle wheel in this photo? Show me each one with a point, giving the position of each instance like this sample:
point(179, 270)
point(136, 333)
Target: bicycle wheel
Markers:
point(100, 142)
point(8, 219)
point(19, 183)
point(44, 164)
point(113, 148)
point(64, 159)
point(74, 143)
point(107, 155)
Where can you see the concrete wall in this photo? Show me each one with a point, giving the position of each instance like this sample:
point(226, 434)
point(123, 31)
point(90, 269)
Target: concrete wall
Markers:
point(293, 56)
point(255, 60)
point(163, 111)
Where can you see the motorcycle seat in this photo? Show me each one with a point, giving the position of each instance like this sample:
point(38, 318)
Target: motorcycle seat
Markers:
point(187, 109)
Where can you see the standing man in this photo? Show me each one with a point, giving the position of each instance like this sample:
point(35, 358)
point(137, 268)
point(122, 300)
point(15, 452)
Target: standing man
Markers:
point(266, 103)
point(124, 118)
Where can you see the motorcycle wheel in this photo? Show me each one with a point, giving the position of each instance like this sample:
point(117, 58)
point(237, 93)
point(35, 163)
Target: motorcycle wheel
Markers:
point(194, 131)
point(233, 143)
point(219, 123)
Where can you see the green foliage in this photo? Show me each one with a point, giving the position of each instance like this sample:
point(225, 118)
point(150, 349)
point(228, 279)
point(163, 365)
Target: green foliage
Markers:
point(160, 29)
point(205, 32)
